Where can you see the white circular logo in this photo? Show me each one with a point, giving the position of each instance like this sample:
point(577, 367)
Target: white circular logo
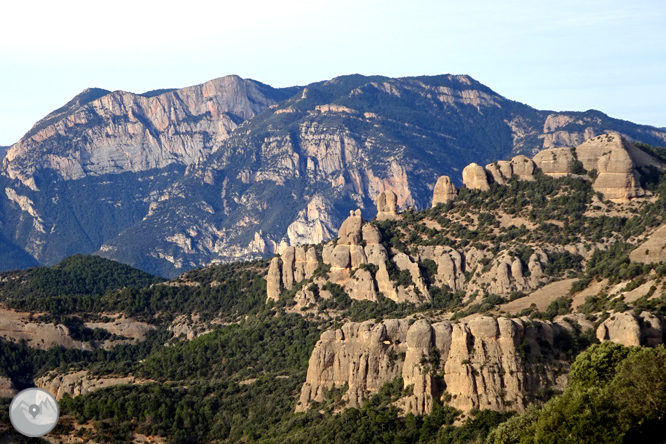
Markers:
point(34, 412)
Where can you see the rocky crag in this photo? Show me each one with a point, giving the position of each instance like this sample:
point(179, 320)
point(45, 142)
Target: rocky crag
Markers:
point(479, 363)
point(234, 169)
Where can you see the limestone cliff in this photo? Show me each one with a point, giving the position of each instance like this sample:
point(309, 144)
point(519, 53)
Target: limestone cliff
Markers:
point(103, 132)
point(480, 362)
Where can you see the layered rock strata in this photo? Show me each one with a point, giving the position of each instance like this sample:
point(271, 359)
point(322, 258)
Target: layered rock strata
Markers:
point(119, 131)
point(653, 249)
point(479, 363)
point(618, 165)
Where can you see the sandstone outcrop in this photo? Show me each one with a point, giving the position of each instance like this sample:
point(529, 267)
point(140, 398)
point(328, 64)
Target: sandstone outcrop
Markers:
point(387, 206)
point(653, 249)
point(555, 162)
point(626, 329)
point(450, 265)
point(80, 383)
point(621, 328)
point(294, 265)
point(483, 362)
point(359, 243)
point(273, 279)
point(609, 155)
point(444, 191)
point(474, 177)
point(520, 166)
point(507, 274)
point(15, 326)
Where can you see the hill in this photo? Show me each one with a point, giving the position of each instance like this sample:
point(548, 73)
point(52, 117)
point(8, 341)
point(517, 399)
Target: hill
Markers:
point(235, 170)
point(474, 320)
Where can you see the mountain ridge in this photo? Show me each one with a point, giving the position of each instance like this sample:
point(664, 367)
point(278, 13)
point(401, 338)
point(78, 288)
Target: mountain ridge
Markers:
point(202, 172)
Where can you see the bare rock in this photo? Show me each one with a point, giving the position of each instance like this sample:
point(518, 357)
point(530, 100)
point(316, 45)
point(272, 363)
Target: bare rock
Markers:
point(341, 257)
point(361, 286)
point(537, 261)
point(288, 258)
point(299, 263)
point(384, 283)
point(350, 230)
point(387, 207)
point(621, 328)
point(311, 262)
point(357, 255)
point(523, 167)
point(652, 331)
point(273, 280)
point(303, 298)
point(444, 191)
point(371, 234)
point(420, 338)
point(475, 177)
point(609, 155)
point(501, 171)
point(404, 262)
point(360, 355)
point(327, 253)
point(449, 265)
point(555, 162)
point(479, 358)
point(376, 254)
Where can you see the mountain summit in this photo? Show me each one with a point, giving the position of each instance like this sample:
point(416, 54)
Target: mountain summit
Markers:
point(235, 169)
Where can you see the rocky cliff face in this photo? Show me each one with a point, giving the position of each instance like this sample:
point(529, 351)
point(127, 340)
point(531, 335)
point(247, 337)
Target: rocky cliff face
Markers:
point(480, 362)
point(233, 169)
point(103, 132)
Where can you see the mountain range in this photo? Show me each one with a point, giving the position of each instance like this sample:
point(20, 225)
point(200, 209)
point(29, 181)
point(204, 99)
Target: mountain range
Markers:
point(233, 169)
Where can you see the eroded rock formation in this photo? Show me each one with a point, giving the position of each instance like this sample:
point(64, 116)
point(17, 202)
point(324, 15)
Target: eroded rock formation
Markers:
point(120, 131)
point(483, 362)
point(617, 164)
point(555, 162)
point(474, 177)
point(627, 329)
point(653, 249)
point(387, 205)
point(520, 166)
point(444, 191)
point(294, 265)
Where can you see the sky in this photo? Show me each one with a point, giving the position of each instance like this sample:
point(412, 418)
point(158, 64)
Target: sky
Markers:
point(569, 55)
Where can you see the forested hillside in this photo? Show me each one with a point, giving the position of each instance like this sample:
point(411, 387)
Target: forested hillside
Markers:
point(530, 311)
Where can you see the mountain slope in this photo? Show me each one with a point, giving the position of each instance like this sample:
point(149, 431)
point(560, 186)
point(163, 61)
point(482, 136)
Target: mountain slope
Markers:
point(234, 169)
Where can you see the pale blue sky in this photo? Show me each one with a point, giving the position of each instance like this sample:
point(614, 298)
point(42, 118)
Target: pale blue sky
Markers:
point(568, 55)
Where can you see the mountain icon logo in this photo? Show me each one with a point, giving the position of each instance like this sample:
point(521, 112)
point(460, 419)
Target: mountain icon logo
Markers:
point(34, 412)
